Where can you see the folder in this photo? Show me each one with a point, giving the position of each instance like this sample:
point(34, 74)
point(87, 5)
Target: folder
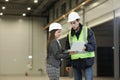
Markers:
point(76, 47)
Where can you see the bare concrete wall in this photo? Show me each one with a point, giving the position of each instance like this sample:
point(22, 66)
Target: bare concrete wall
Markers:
point(19, 38)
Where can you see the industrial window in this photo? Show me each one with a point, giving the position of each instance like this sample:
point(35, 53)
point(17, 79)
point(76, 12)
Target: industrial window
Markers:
point(57, 13)
point(63, 8)
point(70, 4)
point(77, 1)
point(53, 13)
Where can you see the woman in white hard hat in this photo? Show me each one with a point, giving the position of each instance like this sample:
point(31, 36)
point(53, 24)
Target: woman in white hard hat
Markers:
point(80, 61)
point(54, 52)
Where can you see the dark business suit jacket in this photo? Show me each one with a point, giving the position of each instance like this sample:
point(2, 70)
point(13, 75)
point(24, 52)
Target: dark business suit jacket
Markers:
point(55, 54)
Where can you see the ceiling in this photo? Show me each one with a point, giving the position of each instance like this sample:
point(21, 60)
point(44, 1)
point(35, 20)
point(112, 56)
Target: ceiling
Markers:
point(18, 7)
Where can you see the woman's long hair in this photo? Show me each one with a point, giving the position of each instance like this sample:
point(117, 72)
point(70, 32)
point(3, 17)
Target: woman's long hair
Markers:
point(50, 38)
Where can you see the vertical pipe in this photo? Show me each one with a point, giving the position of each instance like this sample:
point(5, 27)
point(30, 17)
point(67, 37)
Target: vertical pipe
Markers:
point(30, 53)
point(116, 47)
point(84, 17)
point(84, 24)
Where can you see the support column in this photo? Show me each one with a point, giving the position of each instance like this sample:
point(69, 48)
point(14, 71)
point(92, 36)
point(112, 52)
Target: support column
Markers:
point(116, 47)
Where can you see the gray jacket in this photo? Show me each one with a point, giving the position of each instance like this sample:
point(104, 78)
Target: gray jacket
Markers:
point(55, 54)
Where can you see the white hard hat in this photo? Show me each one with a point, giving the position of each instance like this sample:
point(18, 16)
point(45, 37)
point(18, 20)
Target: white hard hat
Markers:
point(55, 26)
point(73, 16)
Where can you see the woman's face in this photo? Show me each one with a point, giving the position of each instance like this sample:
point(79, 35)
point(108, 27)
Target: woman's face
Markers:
point(57, 33)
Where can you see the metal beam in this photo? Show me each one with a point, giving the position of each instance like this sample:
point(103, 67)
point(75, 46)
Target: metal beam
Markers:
point(64, 15)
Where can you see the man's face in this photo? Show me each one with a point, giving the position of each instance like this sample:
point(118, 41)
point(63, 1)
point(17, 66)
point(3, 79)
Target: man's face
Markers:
point(75, 24)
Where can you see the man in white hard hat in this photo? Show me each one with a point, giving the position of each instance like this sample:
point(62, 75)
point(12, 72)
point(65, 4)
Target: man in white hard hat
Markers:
point(80, 61)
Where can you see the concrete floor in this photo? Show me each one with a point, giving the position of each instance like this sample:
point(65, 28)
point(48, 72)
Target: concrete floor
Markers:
point(42, 78)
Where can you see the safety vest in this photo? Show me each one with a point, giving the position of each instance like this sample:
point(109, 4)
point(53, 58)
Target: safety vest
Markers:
point(81, 39)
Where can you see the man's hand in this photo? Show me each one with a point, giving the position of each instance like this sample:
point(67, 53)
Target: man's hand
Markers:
point(68, 69)
point(84, 48)
point(72, 52)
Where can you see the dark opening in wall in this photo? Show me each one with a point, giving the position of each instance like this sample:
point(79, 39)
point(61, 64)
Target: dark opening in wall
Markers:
point(63, 8)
